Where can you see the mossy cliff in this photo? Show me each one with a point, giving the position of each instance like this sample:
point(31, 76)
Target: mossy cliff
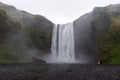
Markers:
point(106, 27)
point(23, 36)
point(97, 35)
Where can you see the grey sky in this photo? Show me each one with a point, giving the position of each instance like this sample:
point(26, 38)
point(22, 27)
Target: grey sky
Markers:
point(59, 11)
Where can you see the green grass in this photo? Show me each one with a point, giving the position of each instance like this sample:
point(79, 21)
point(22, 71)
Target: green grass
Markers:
point(114, 54)
point(12, 56)
point(39, 39)
point(110, 44)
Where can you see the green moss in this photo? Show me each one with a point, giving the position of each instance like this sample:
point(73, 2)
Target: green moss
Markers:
point(3, 16)
point(4, 28)
point(108, 38)
point(110, 53)
point(39, 39)
point(11, 56)
point(114, 60)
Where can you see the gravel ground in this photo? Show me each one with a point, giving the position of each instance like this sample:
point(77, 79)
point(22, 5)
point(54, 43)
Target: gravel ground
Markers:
point(58, 72)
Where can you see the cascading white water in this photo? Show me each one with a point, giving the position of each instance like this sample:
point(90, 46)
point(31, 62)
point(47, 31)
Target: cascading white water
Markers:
point(54, 40)
point(63, 43)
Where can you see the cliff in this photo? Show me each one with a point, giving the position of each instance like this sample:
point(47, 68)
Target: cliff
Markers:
point(97, 35)
point(23, 35)
point(85, 43)
point(107, 30)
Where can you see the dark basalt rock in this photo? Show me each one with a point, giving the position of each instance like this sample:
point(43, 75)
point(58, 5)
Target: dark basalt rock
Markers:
point(40, 61)
point(85, 42)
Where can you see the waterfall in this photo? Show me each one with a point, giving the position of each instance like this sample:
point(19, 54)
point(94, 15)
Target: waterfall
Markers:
point(54, 40)
point(63, 43)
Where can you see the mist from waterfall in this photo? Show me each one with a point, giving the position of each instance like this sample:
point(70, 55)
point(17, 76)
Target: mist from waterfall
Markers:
point(62, 48)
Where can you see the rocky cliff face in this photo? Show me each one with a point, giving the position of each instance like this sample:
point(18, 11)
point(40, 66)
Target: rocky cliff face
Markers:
point(97, 35)
point(107, 30)
point(85, 43)
point(26, 35)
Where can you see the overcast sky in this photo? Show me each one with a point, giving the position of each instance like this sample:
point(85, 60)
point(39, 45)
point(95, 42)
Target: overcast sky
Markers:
point(59, 11)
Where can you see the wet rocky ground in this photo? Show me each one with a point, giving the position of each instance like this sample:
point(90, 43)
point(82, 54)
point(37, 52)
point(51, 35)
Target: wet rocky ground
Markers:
point(58, 72)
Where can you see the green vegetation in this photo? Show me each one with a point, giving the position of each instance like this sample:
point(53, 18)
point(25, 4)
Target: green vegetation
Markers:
point(7, 54)
point(108, 37)
point(12, 56)
point(21, 31)
point(3, 16)
point(39, 39)
point(4, 29)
